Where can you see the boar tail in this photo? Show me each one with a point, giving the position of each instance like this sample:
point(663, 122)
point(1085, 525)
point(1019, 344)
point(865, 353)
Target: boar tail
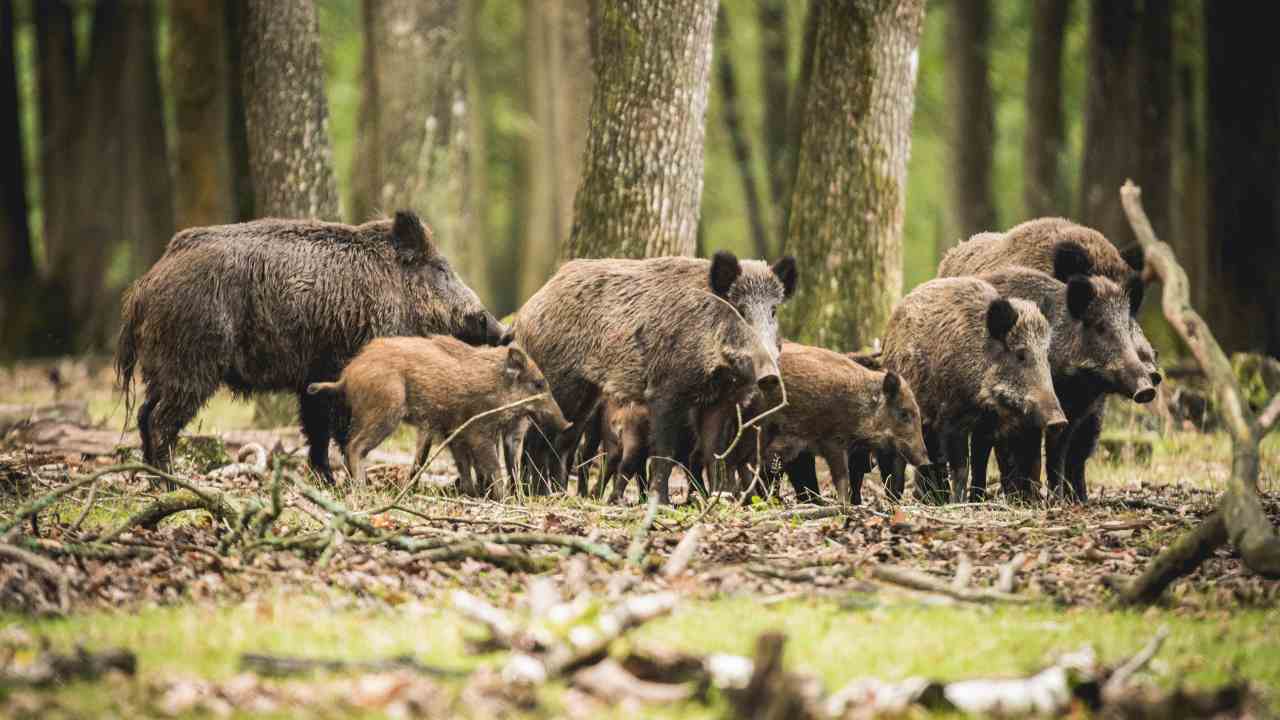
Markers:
point(324, 387)
point(127, 350)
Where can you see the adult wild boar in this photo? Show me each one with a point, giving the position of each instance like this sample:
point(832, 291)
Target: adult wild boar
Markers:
point(438, 384)
point(835, 407)
point(683, 336)
point(273, 305)
point(967, 353)
point(1091, 354)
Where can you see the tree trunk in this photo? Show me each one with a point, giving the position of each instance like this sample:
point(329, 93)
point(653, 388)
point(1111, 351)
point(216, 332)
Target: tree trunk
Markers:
point(743, 157)
point(201, 85)
point(286, 115)
point(1043, 190)
point(287, 128)
point(972, 126)
point(416, 133)
point(1243, 146)
point(56, 76)
point(15, 236)
point(776, 87)
point(642, 183)
point(242, 177)
point(1127, 110)
point(558, 47)
point(850, 191)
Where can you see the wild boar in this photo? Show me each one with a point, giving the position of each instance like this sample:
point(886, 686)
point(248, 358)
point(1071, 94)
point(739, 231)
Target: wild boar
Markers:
point(1091, 354)
point(623, 438)
point(836, 406)
point(274, 305)
point(437, 384)
point(680, 335)
point(967, 353)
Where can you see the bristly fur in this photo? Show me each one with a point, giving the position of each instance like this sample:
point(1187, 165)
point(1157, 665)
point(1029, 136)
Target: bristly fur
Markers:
point(273, 305)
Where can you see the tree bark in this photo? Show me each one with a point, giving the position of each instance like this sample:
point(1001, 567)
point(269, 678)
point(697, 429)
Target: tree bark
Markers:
point(796, 106)
point(415, 115)
point(201, 85)
point(776, 89)
point(286, 115)
point(15, 236)
point(559, 84)
point(1127, 110)
point(849, 197)
point(972, 126)
point(56, 77)
point(642, 178)
point(1243, 108)
point(727, 78)
point(287, 129)
point(1043, 190)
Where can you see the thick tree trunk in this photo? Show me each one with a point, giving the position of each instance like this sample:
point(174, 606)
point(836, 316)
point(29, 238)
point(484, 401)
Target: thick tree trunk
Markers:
point(642, 178)
point(56, 76)
point(558, 48)
point(1043, 191)
point(286, 116)
point(776, 88)
point(743, 157)
point(1127, 110)
point(416, 130)
point(796, 106)
point(242, 177)
point(972, 126)
point(1244, 176)
point(15, 236)
point(850, 193)
point(287, 128)
point(204, 189)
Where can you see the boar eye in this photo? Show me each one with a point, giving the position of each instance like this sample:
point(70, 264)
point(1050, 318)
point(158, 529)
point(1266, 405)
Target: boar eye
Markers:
point(1024, 357)
point(539, 385)
point(773, 311)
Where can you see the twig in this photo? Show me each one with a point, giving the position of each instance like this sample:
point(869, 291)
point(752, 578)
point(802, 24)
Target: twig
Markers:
point(678, 562)
point(503, 628)
point(1271, 413)
point(964, 572)
point(640, 539)
point(282, 665)
point(46, 566)
point(56, 668)
point(88, 505)
point(39, 504)
point(920, 581)
point(1004, 582)
point(258, 468)
point(465, 520)
point(1120, 677)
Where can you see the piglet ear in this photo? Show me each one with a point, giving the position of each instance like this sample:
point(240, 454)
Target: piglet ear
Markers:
point(410, 236)
point(725, 269)
point(1134, 288)
point(1080, 295)
point(1001, 317)
point(1070, 258)
point(517, 362)
point(892, 384)
point(785, 270)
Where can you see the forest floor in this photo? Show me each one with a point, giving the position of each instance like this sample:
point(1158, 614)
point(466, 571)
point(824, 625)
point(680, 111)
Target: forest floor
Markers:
point(191, 597)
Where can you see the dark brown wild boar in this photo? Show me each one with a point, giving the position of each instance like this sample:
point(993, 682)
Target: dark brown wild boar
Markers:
point(1091, 354)
point(836, 406)
point(683, 336)
point(273, 305)
point(437, 384)
point(624, 441)
point(967, 353)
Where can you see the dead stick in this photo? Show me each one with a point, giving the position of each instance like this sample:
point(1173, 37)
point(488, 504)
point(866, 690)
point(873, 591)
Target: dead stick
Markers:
point(1267, 420)
point(920, 581)
point(1120, 678)
point(680, 557)
point(1004, 582)
point(640, 539)
point(964, 572)
point(45, 566)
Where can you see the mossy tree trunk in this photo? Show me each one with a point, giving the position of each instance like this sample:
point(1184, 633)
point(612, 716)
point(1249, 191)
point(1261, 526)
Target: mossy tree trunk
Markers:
point(972, 126)
point(642, 178)
point(558, 92)
point(287, 128)
point(204, 188)
point(415, 132)
point(1043, 191)
point(850, 191)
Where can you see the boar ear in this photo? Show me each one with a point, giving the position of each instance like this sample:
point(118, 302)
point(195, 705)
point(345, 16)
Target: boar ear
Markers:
point(1000, 318)
point(786, 271)
point(1134, 288)
point(725, 269)
point(892, 384)
point(1070, 258)
point(1080, 295)
point(1134, 256)
point(409, 235)
point(517, 362)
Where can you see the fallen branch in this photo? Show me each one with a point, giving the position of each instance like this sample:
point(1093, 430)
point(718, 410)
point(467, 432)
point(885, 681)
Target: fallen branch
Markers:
point(640, 539)
point(915, 580)
point(1243, 522)
point(964, 572)
point(44, 566)
point(1121, 676)
point(257, 468)
point(284, 666)
point(1267, 420)
point(678, 562)
point(1008, 572)
point(56, 668)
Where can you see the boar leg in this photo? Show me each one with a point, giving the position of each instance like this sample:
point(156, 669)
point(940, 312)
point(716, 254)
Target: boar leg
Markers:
point(803, 474)
point(837, 460)
point(367, 434)
point(166, 412)
point(485, 461)
point(315, 411)
point(462, 459)
point(958, 460)
point(668, 425)
point(592, 440)
point(859, 465)
point(1082, 443)
point(1019, 458)
point(1056, 447)
point(893, 474)
point(930, 485)
point(423, 452)
point(980, 444)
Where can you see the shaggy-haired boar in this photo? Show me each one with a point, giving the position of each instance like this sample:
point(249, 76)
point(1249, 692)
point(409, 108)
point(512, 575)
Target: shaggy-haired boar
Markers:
point(1091, 354)
point(437, 384)
point(836, 406)
point(967, 353)
point(273, 305)
point(622, 435)
point(685, 337)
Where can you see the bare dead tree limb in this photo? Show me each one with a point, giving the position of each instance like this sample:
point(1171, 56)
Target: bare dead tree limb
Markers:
point(1240, 519)
point(1271, 413)
point(915, 580)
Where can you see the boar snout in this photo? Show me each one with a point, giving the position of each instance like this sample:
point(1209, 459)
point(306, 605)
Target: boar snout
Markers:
point(481, 328)
point(914, 452)
point(1156, 377)
point(1049, 412)
point(1145, 394)
point(765, 366)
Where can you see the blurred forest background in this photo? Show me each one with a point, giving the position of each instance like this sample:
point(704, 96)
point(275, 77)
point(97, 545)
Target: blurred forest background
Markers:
point(124, 120)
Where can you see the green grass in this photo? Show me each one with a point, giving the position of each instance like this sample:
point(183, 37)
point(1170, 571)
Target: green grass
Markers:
point(837, 645)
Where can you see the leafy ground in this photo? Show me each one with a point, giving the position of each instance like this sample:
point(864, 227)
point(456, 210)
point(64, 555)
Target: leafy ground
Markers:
point(189, 612)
